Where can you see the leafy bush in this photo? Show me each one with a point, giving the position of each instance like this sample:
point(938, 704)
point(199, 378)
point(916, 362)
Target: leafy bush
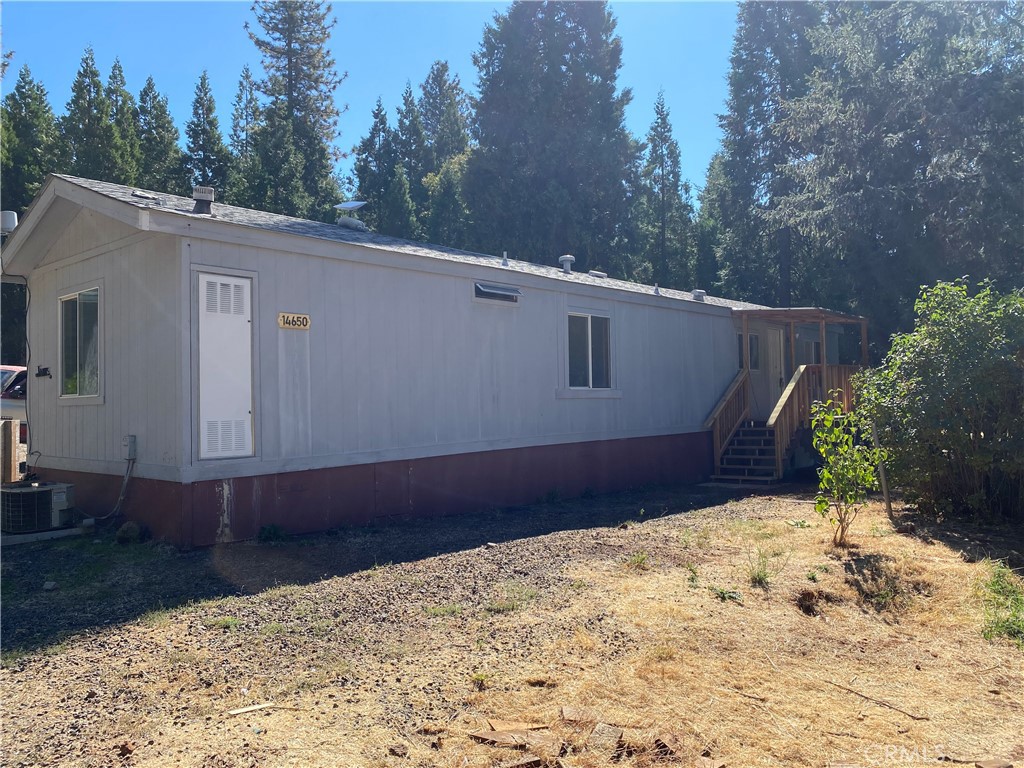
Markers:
point(948, 402)
point(848, 465)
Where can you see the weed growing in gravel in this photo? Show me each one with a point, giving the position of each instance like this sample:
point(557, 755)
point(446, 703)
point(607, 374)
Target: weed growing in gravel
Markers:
point(272, 629)
point(578, 585)
point(229, 623)
point(726, 595)
point(159, 617)
point(437, 611)
point(812, 576)
point(480, 680)
point(692, 578)
point(764, 565)
point(1004, 604)
point(639, 561)
point(515, 596)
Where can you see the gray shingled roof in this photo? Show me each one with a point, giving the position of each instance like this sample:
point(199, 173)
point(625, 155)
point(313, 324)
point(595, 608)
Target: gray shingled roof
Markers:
point(274, 222)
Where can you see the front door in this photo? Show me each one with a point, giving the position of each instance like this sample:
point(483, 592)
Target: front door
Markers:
point(766, 373)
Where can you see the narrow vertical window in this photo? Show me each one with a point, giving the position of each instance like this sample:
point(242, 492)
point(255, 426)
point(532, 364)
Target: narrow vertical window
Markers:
point(79, 341)
point(739, 350)
point(755, 352)
point(590, 356)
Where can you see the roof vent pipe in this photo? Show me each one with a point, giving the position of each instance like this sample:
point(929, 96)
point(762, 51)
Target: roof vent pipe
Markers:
point(504, 258)
point(699, 294)
point(204, 199)
point(8, 221)
point(567, 261)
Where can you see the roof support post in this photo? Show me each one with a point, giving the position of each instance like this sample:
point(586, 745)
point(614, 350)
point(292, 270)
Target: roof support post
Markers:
point(792, 348)
point(824, 358)
point(746, 343)
point(864, 343)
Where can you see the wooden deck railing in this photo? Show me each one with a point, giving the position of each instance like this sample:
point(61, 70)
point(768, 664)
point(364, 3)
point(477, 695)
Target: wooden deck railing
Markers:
point(730, 412)
point(793, 411)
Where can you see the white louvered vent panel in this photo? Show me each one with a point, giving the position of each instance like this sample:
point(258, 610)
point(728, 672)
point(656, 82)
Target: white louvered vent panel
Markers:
point(225, 367)
point(212, 302)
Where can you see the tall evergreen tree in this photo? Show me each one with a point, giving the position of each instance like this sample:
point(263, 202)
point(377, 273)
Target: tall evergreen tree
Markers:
point(30, 142)
point(666, 214)
point(161, 162)
point(911, 150)
point(86, 128)
point(207, 159)
point(549, 175)
point(771, 61)
point(446, 217)
point(301, 74)
point(444, 110)
point(414, 153)
point(713, 200)
point(246, 119)
point(124, 114)
point(398, 215)
point(281, 189)
point(375, 159)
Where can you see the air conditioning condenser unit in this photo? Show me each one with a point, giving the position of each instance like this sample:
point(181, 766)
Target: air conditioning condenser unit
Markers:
point(32, 507)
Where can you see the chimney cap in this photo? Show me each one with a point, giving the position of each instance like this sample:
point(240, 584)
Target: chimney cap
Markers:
point(203, 193)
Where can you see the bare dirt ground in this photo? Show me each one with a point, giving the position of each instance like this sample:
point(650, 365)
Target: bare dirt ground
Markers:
point(390, 646)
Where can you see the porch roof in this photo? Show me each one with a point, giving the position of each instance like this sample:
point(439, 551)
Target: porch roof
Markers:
point(801, 315)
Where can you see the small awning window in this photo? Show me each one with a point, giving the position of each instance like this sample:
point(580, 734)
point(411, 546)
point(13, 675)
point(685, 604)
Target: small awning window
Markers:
point(497, 292)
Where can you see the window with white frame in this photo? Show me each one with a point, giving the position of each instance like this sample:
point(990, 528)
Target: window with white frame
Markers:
point(590, 352)
point(79, 344)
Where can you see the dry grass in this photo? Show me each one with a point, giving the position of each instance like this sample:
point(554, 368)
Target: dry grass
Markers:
point(879, 660)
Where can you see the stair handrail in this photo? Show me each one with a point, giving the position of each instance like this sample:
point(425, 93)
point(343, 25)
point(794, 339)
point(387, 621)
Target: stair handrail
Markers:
point(793, 406)
point(729, 413)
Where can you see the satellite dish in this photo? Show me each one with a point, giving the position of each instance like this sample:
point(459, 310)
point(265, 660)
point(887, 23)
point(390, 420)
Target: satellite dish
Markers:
point(352, 205)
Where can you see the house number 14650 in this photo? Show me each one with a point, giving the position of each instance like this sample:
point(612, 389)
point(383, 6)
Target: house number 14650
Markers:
point(293, 322)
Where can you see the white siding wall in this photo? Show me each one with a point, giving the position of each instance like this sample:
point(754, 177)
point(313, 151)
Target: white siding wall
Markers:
point(140, 353)
point(402, 363)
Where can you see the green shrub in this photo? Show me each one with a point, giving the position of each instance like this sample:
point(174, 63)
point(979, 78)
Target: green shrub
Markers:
point(848, 465)
point(948, 402)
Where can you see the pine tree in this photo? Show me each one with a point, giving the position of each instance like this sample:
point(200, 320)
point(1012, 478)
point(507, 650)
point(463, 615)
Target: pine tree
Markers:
point(444, 110)
point(398, 216)
point(124, 114)
point(207, 159)
point(30, 142)
point(908, 154)
point(246, 120)
point(704, 268)
point(86, 128)
point(282, 190)
point(414, 153)
point(551, 171)
point(771, 61)
point(446, 219)
point(666, 216)
point(376, 158)
point(302, 76)
point(161, 165)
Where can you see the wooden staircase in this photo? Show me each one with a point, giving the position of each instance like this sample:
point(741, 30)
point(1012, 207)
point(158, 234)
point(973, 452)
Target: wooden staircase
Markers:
point(749, 458)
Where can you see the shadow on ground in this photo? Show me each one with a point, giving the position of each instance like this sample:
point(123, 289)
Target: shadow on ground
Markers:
point(99, 583)
point(974, 539)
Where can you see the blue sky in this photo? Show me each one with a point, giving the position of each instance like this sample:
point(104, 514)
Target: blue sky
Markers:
point(680, 47)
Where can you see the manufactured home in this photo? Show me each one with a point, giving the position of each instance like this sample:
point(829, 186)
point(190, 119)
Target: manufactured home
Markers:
point(245, 369)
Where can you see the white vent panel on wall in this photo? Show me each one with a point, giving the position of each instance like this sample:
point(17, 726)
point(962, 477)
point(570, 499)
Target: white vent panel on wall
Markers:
point(225, 367)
